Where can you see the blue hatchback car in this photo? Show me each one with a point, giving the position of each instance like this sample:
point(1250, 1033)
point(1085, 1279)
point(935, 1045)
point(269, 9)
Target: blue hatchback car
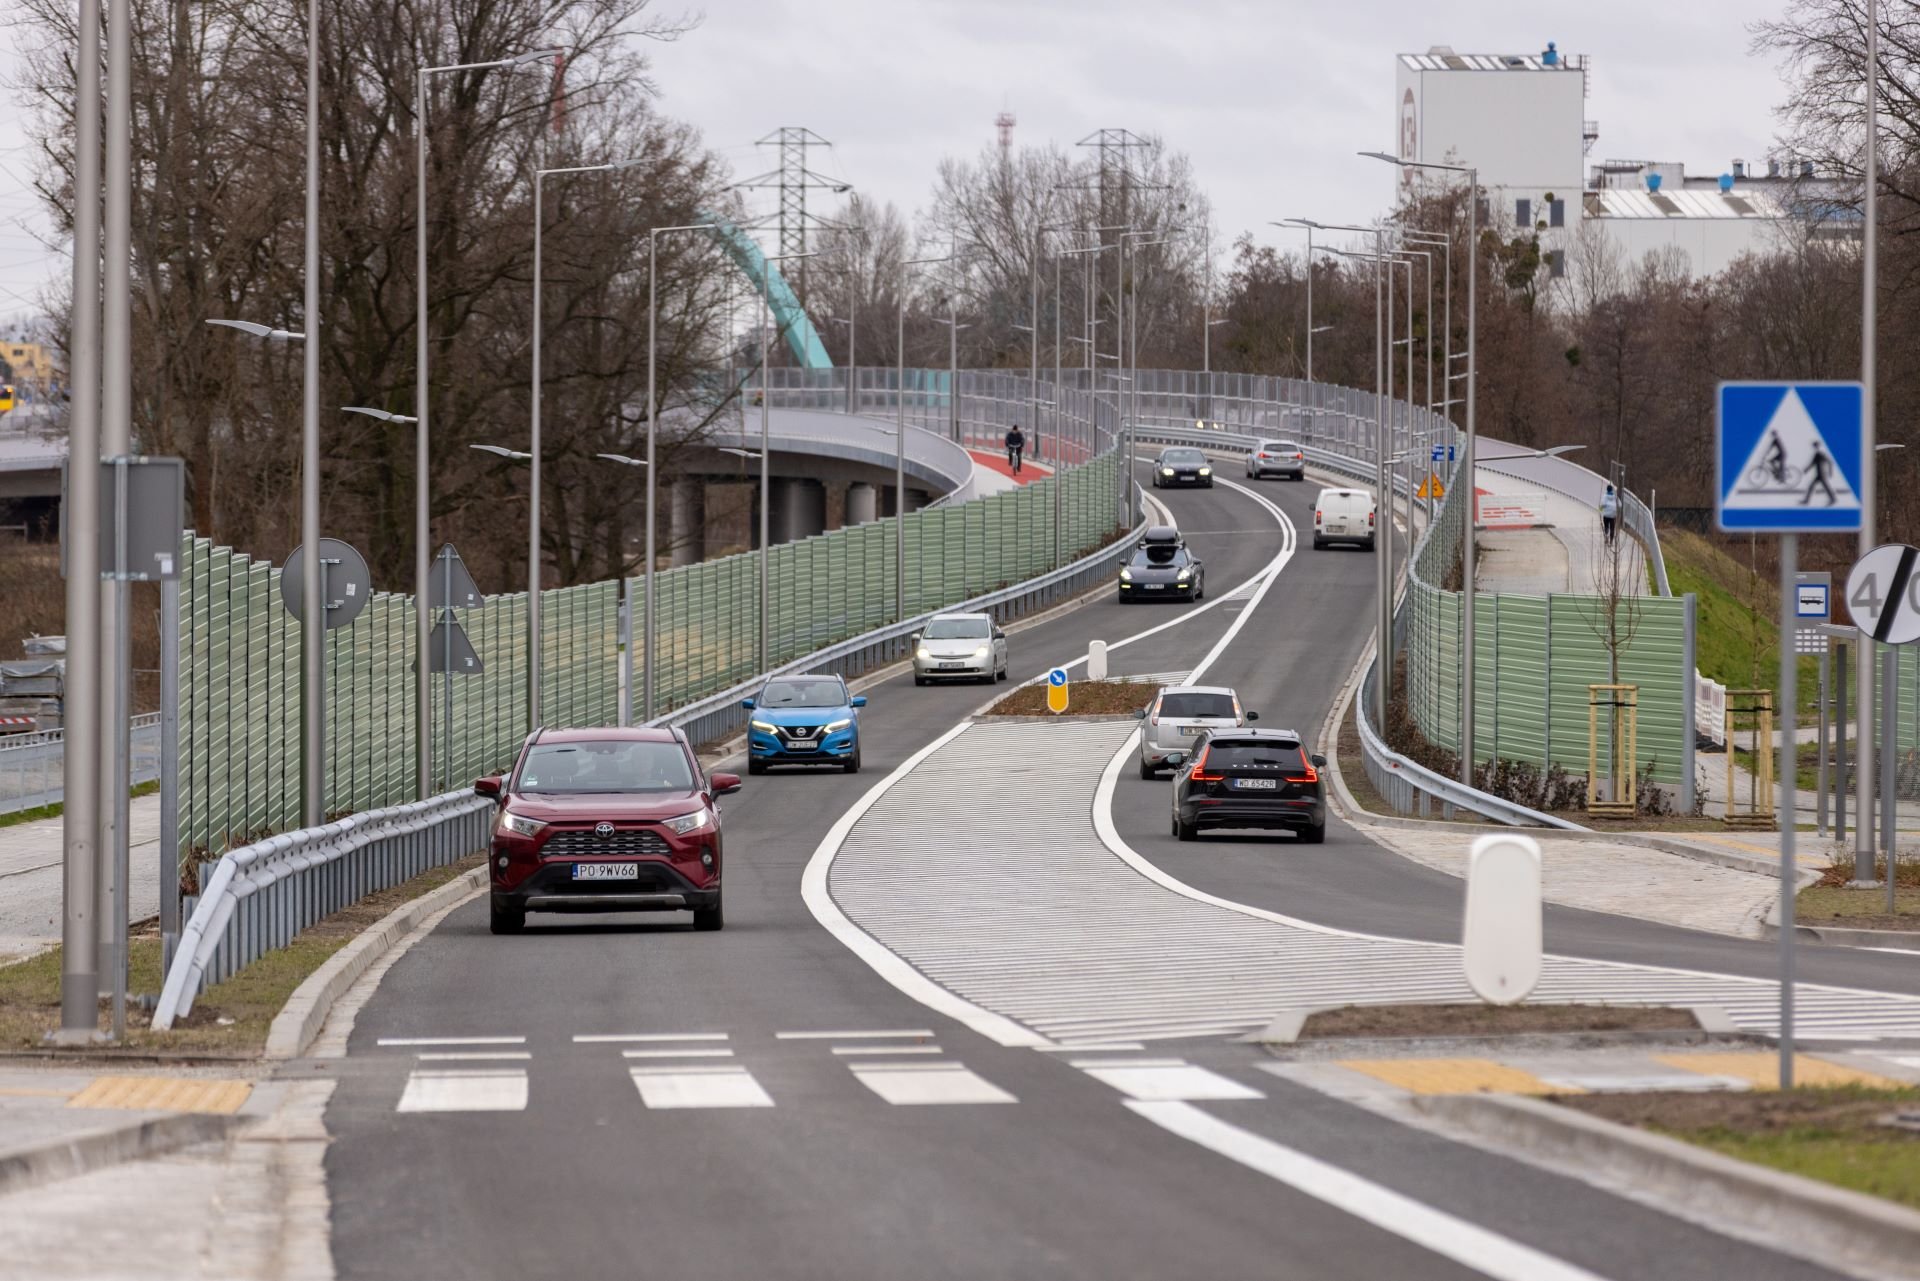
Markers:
point(804, 720)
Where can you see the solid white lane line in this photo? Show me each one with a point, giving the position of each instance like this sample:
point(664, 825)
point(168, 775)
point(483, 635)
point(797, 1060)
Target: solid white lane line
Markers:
point(452, 1040)
point(676, 1054)
point(921, 1032)
point(617, 1038)
point(472, 1056)
point(1131, 1063)
point(1161, 1083)
point(456, 1091)
point(731, 1089)
point(1467, 1244)
point(1092, 1047)
point(906, 1088)
point(886, 1049)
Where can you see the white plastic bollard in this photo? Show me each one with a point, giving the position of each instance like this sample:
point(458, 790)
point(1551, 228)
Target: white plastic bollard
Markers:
point(1502, 939)
point(1096, 660)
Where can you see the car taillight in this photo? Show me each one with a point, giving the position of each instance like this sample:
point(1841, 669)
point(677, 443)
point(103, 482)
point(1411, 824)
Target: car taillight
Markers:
point(1263, 453)
point(1200, 774)
point(1369, 520)
point(1299, 458)
point(1311, 776)
point(1319, 516)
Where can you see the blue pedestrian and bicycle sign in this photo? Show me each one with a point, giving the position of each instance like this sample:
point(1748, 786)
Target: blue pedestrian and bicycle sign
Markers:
point(1443, 453)
point(1789, 457)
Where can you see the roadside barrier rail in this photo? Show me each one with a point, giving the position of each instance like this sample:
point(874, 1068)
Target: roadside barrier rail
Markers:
point(259, 897)
point(32, 766)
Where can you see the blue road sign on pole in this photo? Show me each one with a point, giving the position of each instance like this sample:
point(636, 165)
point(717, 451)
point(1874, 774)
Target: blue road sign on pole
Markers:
point(1443, 453)
point(1788, 457)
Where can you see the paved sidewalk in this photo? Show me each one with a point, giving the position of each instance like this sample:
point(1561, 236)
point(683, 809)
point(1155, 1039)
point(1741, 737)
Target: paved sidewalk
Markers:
point(30, 878)
point(1564, 553)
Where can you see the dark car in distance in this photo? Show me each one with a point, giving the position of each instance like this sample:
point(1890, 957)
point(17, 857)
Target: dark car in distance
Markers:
point(1252, 778)
point(606, 820)
point(1182, 465)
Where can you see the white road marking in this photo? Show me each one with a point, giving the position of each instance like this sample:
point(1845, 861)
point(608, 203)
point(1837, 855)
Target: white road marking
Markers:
point(886, 1049)
point(1164, 1082)
point(469, 1056)
point(1467, 1244)
point(676, 1054)
point(1092, 1047)
point(918, 1084)
point(618, 1038)
point(451, 1040)
point(732, 1088)
point(475, 1090)
point(921, 1032)
point(1897, 951)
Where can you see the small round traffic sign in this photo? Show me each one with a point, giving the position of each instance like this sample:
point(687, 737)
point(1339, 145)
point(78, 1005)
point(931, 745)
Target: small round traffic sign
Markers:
point(345, 584)
point(1058, 676)
point(1883, 594)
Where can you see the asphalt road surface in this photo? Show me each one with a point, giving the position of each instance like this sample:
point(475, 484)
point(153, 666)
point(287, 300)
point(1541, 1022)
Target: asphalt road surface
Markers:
point(624, 1097)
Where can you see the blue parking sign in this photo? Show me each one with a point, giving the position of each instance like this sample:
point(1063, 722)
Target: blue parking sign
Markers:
point(1789, 457)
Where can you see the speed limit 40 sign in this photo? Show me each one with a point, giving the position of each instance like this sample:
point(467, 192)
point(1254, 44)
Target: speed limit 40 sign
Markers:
point(1883, 592)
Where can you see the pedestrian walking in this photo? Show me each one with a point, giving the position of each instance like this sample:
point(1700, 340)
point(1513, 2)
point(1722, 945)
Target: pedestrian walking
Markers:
point(1016, 441)
point(1609, 513)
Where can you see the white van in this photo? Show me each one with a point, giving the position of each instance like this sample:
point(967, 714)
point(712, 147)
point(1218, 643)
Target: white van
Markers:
point(1343, 516)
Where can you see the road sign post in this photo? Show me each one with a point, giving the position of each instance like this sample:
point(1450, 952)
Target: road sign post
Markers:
point(449, 649)
point(1057, 690)
point(346, 585)
point(1790, 457)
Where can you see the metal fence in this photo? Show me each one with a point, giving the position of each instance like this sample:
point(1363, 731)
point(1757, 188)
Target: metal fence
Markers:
point(260, 896)
point(32, 766)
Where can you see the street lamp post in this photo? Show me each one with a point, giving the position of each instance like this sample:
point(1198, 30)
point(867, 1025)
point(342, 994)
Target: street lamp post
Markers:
point(900, 446)
point(626, 617)
point(1467, 460)
point(766, 450)
point(422, 556)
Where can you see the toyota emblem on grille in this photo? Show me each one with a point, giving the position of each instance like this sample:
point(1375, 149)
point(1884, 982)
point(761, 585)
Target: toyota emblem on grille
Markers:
point(603, 830)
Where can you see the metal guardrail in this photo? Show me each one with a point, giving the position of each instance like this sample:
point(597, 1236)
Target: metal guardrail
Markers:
point(260, 896)
point(1411, 788)
point(32, 766)
point(1639, 522)
point(720, 715)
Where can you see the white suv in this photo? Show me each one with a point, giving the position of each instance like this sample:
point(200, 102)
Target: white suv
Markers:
point(1179, 715)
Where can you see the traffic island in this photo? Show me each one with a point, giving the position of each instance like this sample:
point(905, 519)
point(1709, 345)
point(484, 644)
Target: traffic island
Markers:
point(1109, 698)
point(1416, 1029)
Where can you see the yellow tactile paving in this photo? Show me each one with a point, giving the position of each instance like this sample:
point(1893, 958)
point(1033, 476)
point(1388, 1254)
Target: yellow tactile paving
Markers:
point(163, 1094)
point(1454, 1076)
point(1761, 1069)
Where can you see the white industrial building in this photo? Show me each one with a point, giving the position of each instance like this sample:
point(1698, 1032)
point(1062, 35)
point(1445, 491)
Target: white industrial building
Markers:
point(1522, 120)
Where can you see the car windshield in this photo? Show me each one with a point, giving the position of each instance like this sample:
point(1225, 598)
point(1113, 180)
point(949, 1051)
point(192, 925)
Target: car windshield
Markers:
point(1157, 556)
point(821, 693)
point(606, 765)
point(1195, 706)
point(1184, 458)
point(1254, 753)
point(957, 629)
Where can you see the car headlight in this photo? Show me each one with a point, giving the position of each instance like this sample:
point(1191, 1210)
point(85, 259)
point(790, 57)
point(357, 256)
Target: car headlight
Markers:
point(689, 822)
point(834, 727)
point(1166, 471)
point(922, 654)
point(765, 727)
point(519, 824)
point(1184, 575)
point(1206, 471)
point(981, 652)
point(1126, 575)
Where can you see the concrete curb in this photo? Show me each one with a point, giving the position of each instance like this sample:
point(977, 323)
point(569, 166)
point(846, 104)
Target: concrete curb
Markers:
point(1824, 1222)
point(305, 1012)
point(1839, 935)
point(96, 1149)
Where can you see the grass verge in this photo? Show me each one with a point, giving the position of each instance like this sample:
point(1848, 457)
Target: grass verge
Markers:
point(1837, 1134)
point(56, 809)
point(1492, 1020)
point(1084, 698)
point(1736, 638)
point(1832, 901)
point(228, 1019)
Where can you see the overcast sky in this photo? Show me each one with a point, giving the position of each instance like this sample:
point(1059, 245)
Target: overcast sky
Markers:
point(1271, 98)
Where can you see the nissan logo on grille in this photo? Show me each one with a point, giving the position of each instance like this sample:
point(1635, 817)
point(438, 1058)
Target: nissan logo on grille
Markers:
point(603, 830)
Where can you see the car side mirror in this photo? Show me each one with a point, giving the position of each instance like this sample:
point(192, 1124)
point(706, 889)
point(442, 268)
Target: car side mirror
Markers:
point(1252, 716)
point(489, 786)
point(859, 700)
point(747, 703)
point(1139, 713)
point(723, 784)
point(1176, 759)
point(998, 634)
point(1319, 761)
point(913, 638)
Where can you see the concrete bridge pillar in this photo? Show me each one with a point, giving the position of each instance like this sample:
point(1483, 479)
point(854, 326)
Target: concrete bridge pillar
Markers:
point(687, 530)
point(863, 503)
point(798, 508)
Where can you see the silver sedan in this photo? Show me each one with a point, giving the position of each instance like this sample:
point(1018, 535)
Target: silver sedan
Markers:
point(960, 647)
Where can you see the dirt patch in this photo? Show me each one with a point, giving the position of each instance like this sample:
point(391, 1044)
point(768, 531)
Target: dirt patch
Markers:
point(229, 1019)
point(1492, 1020)
point(1084, 698)
point(1832, 901)
point(1838, 1135)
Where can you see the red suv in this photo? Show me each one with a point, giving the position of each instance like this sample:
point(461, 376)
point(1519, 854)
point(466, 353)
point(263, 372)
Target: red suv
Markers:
point(606, 820)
